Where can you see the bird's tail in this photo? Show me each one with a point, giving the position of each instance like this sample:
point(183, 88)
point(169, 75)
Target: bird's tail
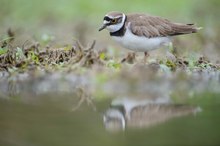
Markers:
point(180, 29)
point(194, 28)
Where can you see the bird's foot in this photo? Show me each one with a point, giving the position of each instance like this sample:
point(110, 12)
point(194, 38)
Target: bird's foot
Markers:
point(130, 58)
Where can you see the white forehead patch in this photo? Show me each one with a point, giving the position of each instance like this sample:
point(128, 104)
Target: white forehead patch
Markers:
point(111, 17)
point(105, 22)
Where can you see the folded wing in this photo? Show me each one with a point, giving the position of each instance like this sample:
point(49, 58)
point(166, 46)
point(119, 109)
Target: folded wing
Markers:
point(152, 26)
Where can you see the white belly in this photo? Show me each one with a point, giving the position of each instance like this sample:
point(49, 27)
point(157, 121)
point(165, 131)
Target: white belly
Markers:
point(140, 44)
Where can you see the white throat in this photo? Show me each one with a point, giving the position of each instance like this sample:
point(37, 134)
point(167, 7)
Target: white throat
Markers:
point(116, 27)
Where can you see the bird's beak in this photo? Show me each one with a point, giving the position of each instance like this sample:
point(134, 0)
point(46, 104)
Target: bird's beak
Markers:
point(103, 27)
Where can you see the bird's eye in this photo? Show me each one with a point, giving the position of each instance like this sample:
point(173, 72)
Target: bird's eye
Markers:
point(114, 21)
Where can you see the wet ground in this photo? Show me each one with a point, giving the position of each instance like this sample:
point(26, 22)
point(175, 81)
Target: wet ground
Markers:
point(137, 105)
point(75, 95)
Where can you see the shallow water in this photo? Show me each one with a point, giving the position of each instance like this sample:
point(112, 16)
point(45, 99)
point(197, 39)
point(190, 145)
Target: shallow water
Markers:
point(63, 109)
point(48, 123)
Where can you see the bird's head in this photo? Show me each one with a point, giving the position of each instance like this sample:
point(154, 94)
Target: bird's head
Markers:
point(113, 21)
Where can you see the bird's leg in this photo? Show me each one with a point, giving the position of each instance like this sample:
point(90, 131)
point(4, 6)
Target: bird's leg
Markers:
point(146, 55)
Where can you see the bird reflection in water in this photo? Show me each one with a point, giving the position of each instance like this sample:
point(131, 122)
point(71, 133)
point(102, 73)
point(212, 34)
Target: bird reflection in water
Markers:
point(135, 113)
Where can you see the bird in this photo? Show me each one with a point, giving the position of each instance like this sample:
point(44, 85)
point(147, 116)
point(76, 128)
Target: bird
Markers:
point(141, 32)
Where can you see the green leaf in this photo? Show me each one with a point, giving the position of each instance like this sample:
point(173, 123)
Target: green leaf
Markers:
point(3, 51)
point(8, 38)
point(102, 56)
point(171, 64)
point(34, 57)
point(114, 64)
point(67, 48)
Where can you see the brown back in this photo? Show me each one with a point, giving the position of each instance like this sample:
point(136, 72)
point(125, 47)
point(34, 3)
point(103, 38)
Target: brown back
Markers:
point(153, 26)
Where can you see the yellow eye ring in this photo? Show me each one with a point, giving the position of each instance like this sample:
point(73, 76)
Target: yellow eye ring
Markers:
point(114, 20)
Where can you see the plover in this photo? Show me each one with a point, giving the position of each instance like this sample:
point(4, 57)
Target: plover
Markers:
point(142, 32)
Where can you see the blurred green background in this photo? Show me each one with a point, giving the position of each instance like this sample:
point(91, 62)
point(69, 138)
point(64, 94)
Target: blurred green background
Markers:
point(36, 11)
